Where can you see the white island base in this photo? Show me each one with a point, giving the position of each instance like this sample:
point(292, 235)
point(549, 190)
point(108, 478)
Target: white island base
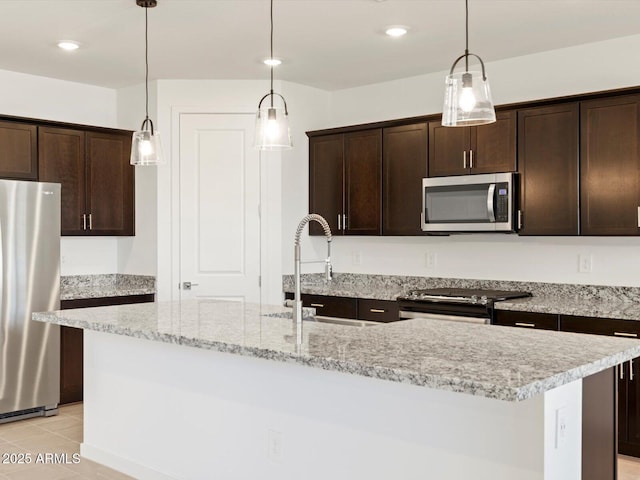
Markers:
point(157, 410)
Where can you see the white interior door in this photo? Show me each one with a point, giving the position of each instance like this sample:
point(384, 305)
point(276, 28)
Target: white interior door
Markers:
point(219, 207)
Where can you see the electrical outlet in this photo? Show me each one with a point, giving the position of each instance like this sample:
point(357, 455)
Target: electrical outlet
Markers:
point(585, 263)
point(430, 260)
point(561, 427)
point(274, 445)
point(356, 258)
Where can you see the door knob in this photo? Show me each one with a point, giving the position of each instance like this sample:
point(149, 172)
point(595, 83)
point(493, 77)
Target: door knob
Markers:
point(188, 285)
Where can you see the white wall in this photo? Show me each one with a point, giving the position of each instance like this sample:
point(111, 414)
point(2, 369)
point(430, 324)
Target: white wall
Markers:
point(597, 66)
point(51, 99)
point(138, 255)
point(309, 110)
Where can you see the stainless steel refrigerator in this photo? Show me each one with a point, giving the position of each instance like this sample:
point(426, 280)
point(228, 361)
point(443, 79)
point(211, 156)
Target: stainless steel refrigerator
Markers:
point(29, 282)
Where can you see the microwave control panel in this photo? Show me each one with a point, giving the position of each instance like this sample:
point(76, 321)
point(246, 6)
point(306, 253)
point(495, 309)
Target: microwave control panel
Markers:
point(502, 202)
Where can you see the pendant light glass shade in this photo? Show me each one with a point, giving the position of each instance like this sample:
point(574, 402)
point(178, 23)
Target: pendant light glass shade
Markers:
point(272, 123)
point(272, 129)
point(467, 100)
point(467, 97)
point(146, 149)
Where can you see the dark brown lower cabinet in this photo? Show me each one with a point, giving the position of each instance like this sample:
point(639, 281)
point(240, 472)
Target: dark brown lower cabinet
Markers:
point(599, 449)
point(539, 321)
point(72, 344)
point(378, 310)
point(347, 307)
point(628, 385)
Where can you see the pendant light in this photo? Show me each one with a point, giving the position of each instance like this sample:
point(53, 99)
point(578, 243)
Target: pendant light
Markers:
point(272, 123)
point(467, 99)
point(146, 148)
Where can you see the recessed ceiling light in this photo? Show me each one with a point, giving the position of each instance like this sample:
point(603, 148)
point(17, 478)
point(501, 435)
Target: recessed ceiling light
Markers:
point(396, 31)
point(68, 45)
point(272, 62)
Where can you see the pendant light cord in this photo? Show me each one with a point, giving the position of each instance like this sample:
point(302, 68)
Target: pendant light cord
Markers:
point(146, 60)
point(271, 53)
point(466, 46)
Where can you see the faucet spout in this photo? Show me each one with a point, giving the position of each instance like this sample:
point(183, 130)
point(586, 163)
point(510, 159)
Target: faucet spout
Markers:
point(297, 306)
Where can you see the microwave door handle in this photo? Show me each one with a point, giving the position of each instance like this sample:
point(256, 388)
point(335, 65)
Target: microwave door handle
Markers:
point(490, 195)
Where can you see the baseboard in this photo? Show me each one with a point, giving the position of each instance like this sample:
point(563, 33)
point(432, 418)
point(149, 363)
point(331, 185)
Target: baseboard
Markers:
point(122, 465)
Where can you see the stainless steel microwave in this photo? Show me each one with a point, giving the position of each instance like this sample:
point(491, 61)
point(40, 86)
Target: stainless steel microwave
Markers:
point(469, 203)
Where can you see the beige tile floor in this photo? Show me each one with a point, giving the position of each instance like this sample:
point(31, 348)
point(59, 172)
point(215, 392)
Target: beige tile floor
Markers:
point(63, 434)
point(60, 434)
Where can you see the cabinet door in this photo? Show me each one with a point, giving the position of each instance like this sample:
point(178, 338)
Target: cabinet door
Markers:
point(493, 146)
point(61, 160)
point(378, 310)
point(610, 166)
point(18, 151)
point(548, 156)
point(631, 445)
point(330, 306)
point(539, 321)
point(448, 150)
point(363, 182)
point(71, 372)
point(110, 184)
point(326, 181)
point(404, 165)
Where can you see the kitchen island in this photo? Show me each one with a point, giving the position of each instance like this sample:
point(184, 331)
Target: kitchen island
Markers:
point(213, 389)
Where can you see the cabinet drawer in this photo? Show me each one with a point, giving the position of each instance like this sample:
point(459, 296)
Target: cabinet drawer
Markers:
point(378, 310)
point(328, 306)
point(600, 326)
point(542, 321)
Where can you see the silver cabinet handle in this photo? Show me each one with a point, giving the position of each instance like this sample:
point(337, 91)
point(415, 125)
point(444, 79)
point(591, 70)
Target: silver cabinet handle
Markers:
point(464, 159)
point(470, 158)
point(631, 370)
point(84, 221)
point(338, 221)
point(522, 324)
point(624, 334)
point(377, 310)
point(638, 217)
point(317, 305)
point(344, 221)
point(621, 367)
point(90, 222)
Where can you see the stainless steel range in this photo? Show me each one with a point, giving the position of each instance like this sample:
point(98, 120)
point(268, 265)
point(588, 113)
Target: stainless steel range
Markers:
point(457, 304)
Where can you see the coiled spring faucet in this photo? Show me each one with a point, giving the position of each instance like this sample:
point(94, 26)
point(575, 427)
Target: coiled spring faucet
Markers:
point(297, 304)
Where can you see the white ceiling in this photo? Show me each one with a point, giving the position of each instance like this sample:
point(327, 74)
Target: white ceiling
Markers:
point(329, 44)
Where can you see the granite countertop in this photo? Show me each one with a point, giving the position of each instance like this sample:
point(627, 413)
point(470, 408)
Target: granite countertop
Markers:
point(609, 309)
point(596, 301)
point(497, 362)
point(74, 287)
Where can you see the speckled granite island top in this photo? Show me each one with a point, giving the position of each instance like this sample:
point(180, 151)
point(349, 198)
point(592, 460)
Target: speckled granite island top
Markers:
point(491, 361)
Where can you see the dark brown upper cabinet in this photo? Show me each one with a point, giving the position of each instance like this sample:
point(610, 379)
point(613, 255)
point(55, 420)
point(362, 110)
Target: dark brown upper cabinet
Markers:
point(470, 150)
point(110, 183)
point(61, 156)
point(404, 165)
point(610, 166)
point(345, 182)
point(97, 180)
point(548, 158)
point(18, 151)
point(326, 182)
